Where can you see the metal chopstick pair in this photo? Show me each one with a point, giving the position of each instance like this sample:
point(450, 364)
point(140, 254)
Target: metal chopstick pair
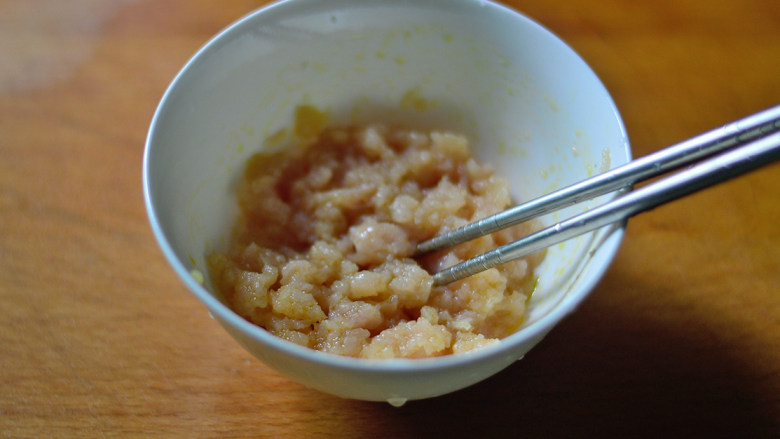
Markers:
point(731, 150)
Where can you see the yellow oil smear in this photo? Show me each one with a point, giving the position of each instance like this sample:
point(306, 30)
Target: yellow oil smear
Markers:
point(412, 100)
point(320, 67)
point(551, 102)
point(534, 286)
point(606, 160)
point(276, 138)
point(197, 276)
point(389, 37)
point(309, 122)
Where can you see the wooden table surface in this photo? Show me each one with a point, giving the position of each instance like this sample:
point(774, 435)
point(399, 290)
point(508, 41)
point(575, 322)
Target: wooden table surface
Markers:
point(98, 338)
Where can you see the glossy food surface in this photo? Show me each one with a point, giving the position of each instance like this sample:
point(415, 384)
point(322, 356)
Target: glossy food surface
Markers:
point(99, 338)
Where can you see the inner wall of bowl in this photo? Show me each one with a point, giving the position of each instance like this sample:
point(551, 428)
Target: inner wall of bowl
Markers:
point(529, 106)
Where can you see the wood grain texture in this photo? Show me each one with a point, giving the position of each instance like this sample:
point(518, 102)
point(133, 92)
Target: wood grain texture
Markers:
point(98, 338)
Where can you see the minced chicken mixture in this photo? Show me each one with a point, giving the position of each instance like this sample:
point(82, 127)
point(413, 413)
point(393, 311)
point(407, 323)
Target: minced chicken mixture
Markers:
point(323, 252)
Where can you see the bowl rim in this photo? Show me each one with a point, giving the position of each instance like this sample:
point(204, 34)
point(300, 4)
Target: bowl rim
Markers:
point(225, 315)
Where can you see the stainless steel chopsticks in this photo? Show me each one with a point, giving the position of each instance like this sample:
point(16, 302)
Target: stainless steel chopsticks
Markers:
point(748, 144)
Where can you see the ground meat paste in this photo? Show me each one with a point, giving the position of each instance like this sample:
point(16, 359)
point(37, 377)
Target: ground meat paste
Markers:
point(323, 251)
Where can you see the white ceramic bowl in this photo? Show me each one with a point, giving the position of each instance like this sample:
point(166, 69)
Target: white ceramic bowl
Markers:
point(528, 103)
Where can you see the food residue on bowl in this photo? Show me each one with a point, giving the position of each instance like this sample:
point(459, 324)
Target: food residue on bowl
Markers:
point(322, 254)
